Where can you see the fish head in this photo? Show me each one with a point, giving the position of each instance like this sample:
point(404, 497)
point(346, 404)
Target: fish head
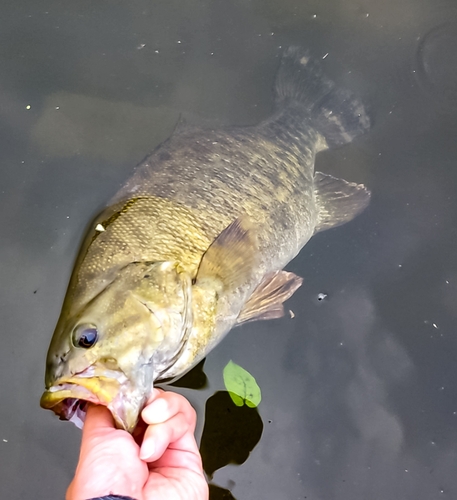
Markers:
point(112, 349)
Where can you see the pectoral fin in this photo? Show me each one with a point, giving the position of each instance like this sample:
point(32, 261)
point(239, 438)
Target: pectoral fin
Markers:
point(339, 201)
point(267, 300)
point(231, 258)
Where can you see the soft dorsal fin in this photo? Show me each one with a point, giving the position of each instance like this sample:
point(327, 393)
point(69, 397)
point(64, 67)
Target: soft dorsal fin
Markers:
point(182, 124)
point(338, 201)
point(231, 257)
point(267, 299)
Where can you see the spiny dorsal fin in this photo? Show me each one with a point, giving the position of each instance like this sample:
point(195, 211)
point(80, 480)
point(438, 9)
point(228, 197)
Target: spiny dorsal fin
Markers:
point(231, 257)
point(267, 299)
point(339, 201)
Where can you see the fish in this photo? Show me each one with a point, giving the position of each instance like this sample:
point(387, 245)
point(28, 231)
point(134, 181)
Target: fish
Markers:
point(195, 243)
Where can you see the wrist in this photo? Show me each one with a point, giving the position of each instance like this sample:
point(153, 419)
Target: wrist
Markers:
point(117, 489)
point(112, 497)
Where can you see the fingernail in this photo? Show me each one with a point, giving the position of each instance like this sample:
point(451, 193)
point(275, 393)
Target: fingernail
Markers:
point(147, 449)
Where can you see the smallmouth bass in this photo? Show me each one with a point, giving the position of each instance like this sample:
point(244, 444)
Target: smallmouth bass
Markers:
point(196, 242)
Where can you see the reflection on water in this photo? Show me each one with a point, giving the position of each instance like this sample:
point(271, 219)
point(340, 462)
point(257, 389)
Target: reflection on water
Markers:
point(72, 124)
point(437, 64)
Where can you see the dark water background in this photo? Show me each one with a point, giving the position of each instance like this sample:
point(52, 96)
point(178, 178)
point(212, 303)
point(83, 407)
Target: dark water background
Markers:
point(359, 391)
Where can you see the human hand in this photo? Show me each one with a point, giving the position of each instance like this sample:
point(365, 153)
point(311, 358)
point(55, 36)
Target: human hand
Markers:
point(167, 465)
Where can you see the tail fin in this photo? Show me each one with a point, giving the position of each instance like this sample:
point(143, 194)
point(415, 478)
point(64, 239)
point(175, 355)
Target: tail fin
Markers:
point(336, 113)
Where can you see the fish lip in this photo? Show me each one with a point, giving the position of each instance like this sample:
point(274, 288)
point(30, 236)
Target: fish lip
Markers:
point(68, 397)
point(69, 402)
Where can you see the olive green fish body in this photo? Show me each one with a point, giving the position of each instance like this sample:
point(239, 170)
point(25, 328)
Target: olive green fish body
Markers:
point(195, 243)
point(220, 175)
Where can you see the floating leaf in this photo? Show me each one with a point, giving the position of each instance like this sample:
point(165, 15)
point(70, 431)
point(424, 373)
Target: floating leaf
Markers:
point(241, 385)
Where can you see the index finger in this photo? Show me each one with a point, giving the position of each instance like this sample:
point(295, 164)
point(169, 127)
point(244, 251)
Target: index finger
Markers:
point(166, 406)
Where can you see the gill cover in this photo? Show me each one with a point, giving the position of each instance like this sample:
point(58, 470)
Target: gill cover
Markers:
point(143, 320)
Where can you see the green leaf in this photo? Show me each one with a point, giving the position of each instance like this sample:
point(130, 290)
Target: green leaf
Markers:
point(239, 401)
point(241, 385)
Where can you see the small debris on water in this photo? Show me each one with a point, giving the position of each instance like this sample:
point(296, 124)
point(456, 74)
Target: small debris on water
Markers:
point(321, 296)
point(291, 313)
point(5, 440)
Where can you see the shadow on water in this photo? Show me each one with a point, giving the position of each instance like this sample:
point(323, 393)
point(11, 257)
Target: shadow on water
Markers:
point(194, 379)
point(230, 432)
point(218, 493)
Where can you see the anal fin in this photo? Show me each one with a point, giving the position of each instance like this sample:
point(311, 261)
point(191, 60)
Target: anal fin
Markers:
point(338, 201)
point(266, 302)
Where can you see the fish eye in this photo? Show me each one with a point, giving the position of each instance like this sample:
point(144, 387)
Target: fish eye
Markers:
point(85, 336)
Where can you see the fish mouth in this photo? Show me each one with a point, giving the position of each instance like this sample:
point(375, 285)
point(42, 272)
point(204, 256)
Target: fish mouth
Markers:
point(69, 397)
point(69, 402)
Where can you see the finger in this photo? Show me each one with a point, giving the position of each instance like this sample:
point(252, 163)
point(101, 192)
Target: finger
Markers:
point(156, 392)
point(159, 437)
point(188, 484)
point(165, 406)
point(97, 423)
point(189, 459)
point(138, 432)
point(97, 417)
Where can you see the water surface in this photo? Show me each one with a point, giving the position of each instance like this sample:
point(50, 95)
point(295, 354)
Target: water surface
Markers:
point(359, 395)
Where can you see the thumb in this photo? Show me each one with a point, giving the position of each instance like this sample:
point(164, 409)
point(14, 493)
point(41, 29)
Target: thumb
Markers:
point(97, 419)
